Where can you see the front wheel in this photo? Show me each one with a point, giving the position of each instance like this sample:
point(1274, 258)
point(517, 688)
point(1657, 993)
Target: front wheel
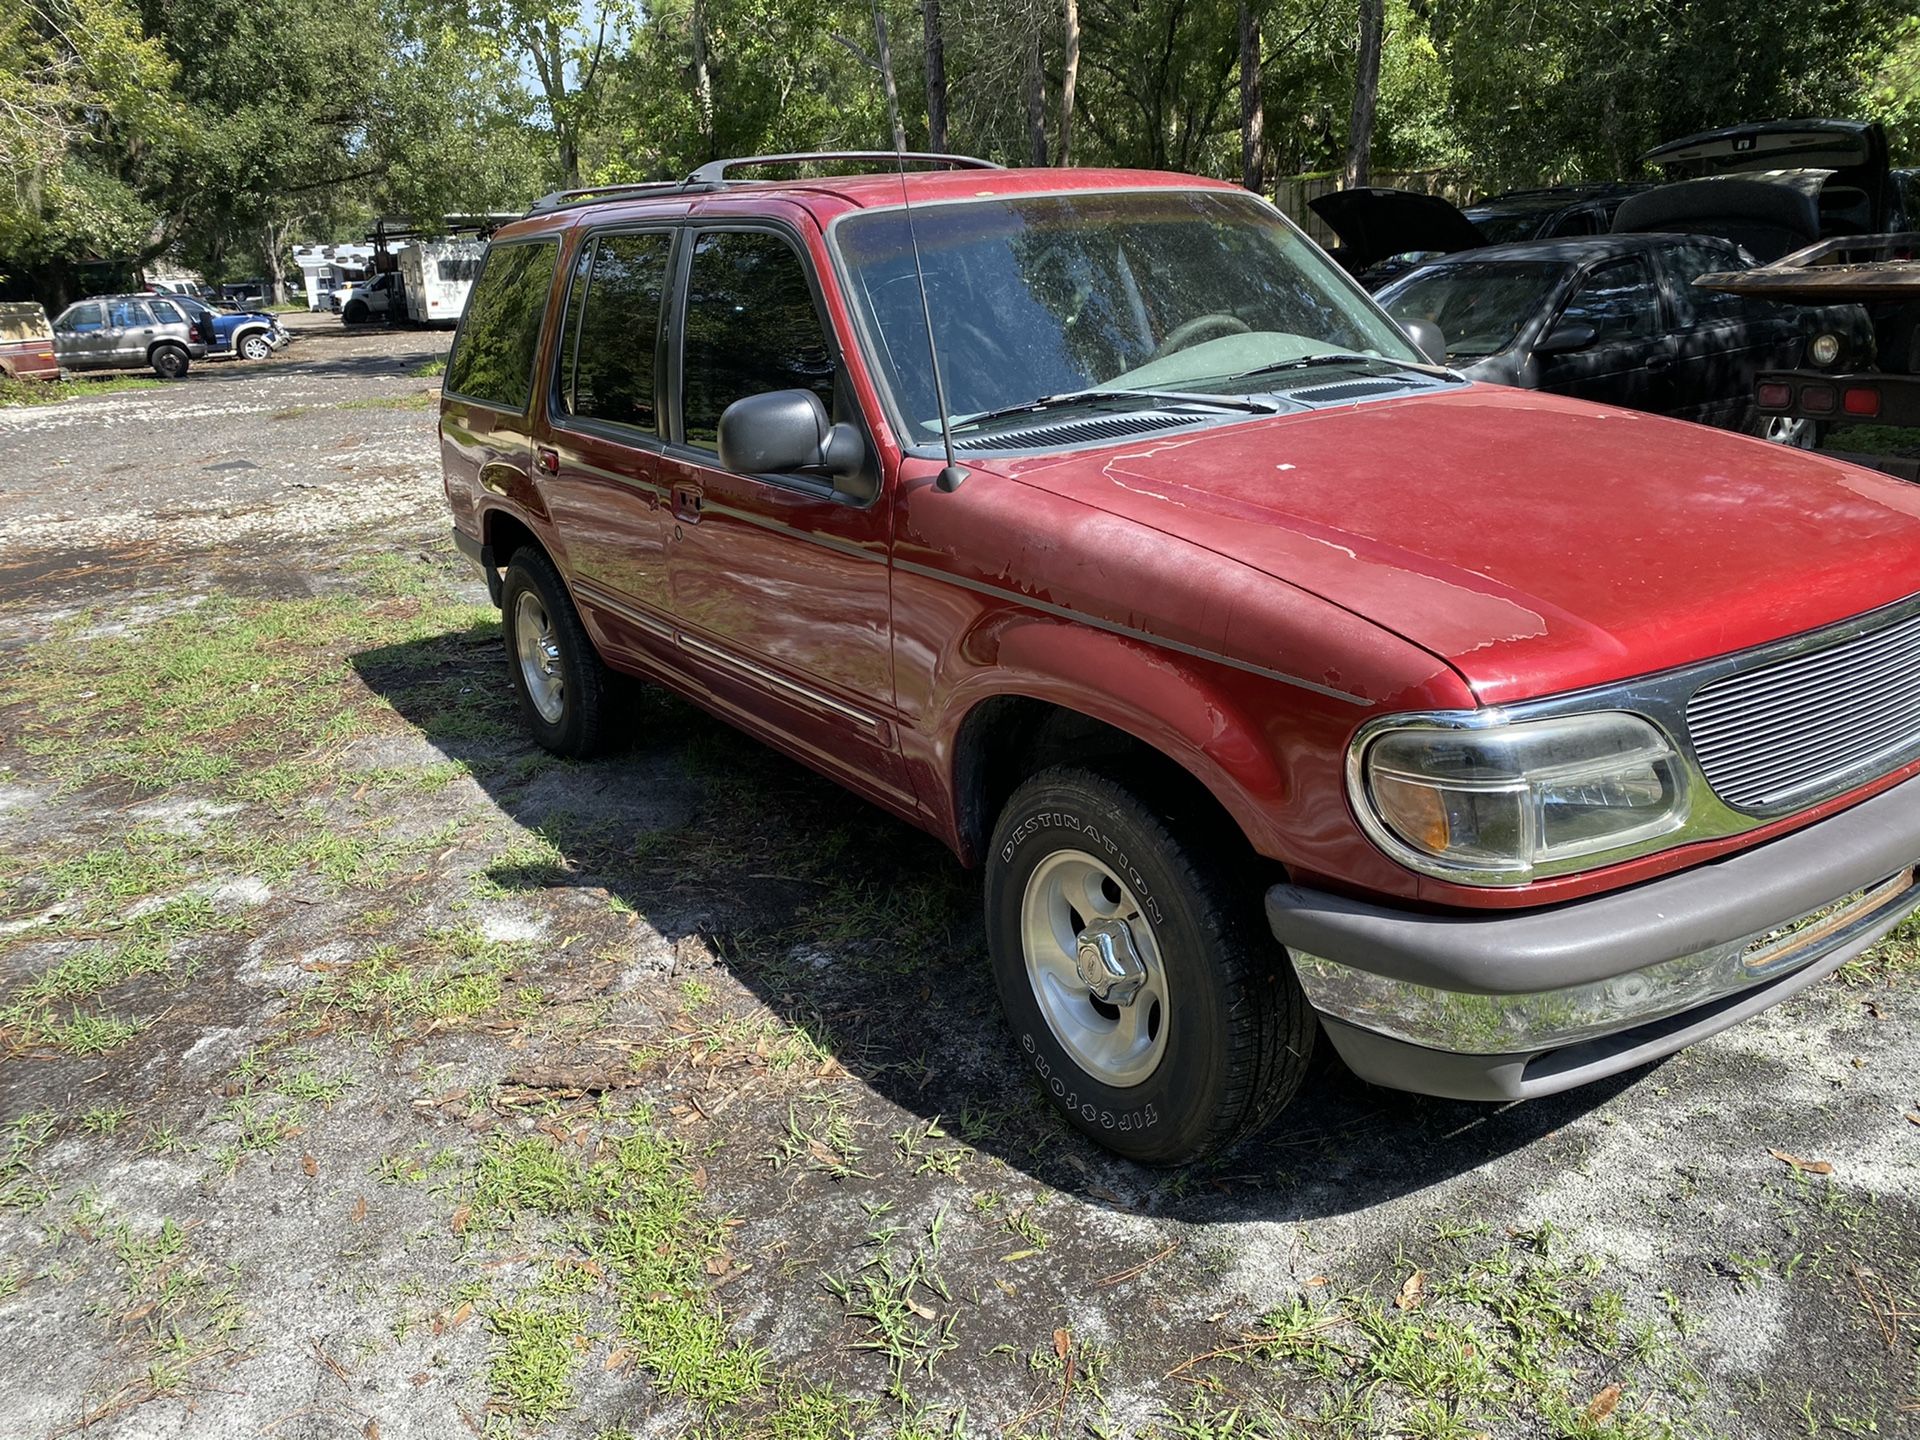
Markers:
point(558, 676)
point(256, 347)
point(1136, 970)
point(169, 361)
point(357, 313)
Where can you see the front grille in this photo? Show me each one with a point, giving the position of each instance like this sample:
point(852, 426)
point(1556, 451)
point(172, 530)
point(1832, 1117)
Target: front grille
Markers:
point(1815, 724)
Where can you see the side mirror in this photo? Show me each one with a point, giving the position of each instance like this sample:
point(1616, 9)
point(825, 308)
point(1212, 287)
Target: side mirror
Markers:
point(1427, 338)
point(783, 431)
point(1565, 338)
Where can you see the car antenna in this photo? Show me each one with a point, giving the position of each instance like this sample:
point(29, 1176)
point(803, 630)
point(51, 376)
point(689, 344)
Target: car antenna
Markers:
point(951, 475)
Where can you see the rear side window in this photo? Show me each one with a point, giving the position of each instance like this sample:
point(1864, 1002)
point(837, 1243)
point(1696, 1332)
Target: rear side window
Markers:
point(751, 327)
point(493, 353)
point(1618, 300)
point(165, 313)
point(1694, 258)
point(126, 314)
point(606, 369)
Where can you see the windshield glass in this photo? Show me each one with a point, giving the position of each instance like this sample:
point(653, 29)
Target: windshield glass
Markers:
point(1044, 295)
point(1478, 305)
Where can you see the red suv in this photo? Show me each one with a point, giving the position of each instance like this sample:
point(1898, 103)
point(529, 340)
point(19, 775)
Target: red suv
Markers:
point(1282, 682)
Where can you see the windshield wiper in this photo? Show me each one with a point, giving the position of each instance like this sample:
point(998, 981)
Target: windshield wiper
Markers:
point(1083, 397)
point(1332, 357)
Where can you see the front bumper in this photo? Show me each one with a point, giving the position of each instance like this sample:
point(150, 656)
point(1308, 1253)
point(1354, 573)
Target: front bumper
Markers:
point(1515, 1005)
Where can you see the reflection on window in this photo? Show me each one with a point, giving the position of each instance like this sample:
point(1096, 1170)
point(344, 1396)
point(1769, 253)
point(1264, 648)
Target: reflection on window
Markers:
point(493, 355)
point(751, 327)
point(607, 356)
point(127, 314)
point(1478, 305)
point(164, 312)
point(1618, 300)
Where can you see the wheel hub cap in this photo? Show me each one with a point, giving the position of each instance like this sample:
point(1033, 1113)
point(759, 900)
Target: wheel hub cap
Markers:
point(1109, 963)
point(539, 657)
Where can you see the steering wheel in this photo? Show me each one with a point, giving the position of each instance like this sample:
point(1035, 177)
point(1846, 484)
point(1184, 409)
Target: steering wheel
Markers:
point(1200, 327)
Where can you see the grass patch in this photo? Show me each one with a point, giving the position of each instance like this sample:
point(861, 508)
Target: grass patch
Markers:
point(450, 977)
point(633, 1220)
point(429, 370)
point(22, 1185)
point(531, 1368)
point(419, 400)
point(80, 387)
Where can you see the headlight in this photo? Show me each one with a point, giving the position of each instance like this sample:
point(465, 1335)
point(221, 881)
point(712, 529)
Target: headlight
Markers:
point(1825, 349)
point(1500, 803)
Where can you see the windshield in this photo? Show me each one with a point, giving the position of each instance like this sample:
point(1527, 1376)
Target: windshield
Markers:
point(1478, 305)
point(1046, 295)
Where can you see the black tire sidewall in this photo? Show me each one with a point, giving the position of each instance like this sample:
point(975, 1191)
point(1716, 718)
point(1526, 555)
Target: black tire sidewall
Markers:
point(169, 355)
point(572, 734)
point(1174, 1113)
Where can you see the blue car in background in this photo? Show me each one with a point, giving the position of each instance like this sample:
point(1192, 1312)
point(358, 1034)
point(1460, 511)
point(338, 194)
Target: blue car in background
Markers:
point(247, 334)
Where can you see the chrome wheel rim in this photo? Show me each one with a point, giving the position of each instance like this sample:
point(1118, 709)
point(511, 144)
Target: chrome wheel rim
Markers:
point(539, 657)
point(254, 348)
point(1785, 430)
point(1082, 932)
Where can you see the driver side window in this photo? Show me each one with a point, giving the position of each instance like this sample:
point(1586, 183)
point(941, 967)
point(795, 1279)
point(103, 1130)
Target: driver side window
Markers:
point(83, 318)
point(1618, 300)
point(750, 327)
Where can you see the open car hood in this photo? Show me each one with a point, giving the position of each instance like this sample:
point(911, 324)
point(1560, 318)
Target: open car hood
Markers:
point(1373, 224)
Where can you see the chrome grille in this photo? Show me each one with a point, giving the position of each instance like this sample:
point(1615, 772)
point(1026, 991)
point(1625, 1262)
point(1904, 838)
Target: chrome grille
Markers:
point(1812, 725)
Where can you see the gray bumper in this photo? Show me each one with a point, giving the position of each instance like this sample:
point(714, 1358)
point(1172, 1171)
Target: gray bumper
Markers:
point(1509, 1005)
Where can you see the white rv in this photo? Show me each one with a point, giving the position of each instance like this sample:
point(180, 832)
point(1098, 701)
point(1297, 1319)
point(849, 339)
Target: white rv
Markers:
point(438, 275)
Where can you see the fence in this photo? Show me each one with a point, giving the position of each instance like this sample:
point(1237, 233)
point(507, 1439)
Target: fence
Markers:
point(1293, 192)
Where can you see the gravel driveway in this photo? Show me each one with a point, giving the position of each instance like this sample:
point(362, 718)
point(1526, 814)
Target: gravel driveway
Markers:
point(366, 1072)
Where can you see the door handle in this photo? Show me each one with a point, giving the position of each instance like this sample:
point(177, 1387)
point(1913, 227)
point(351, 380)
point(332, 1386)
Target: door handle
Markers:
point(546, 460)
point(687, 503)
point(1658, 365)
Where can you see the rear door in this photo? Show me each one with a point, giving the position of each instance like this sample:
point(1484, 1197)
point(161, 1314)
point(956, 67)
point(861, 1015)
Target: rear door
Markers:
point(130, 328)
point(486, 406)
point(601, 466)
point(1628, 361)
point(1721, 341)
point(779, 583)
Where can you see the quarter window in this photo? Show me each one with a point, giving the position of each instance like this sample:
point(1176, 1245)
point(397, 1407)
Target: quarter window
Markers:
point(165, 313)
point(751, 326)
point(1618, 300)
point(614, 324)
point(493, 354)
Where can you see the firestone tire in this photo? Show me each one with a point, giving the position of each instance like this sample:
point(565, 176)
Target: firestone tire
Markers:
point(1226, 1037)
point(557, 675)
point(169, 362)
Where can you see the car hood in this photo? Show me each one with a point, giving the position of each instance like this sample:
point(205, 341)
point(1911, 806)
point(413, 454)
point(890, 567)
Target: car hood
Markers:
point(1536, 544)
point(1373, 224)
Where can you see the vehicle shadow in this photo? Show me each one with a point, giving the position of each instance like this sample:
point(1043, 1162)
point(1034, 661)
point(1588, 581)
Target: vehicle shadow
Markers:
point(866, 935)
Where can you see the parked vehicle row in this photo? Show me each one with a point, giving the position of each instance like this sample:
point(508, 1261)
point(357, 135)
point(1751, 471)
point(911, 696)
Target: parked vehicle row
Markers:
point(1283, 684)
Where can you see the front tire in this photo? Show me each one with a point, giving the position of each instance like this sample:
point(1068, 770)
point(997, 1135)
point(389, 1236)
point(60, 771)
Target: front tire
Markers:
point(356, 313)
point(560, 680)
point(1136, 970)
point(255, 347)
point(169, 361)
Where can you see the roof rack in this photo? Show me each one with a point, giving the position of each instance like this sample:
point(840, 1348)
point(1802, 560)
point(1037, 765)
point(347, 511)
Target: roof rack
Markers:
point(714, 172)
point(589, 193)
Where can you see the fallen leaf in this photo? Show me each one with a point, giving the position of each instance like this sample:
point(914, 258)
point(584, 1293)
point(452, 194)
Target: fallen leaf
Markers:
point(310, 1165)
point(461, 1314)
point(925, 1312)
point(698, 1179)
point(1007, 1287)
point(1409, 1295)
point(717, 1265)
point(418, 1378)
point(359, 1210)
point(1061, 1341)
point(1020, 1255)
point(461, 1215)
point(1913, 1117)
point(1604, 1404)
point(1808, 1167)
point(371, 1430)
point(1317, 1281)
point(615, 1360)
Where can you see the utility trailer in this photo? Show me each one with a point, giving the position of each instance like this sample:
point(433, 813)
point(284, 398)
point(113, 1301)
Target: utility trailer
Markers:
point(1881, 272)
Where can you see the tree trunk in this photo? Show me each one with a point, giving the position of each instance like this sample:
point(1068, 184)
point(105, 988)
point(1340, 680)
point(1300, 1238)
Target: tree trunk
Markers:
point(1253, 117)
point(1036, 107)
point(1366, 94)
point(276, 267)
point(1069, 81)
point(703, 80)
point(883, 52)
point(936, 77)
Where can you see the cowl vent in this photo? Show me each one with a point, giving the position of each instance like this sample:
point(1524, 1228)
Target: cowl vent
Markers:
point(1090, 431)
point(1356, 390)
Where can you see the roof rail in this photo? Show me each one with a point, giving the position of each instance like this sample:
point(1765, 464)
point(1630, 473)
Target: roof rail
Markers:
point(587, 193)
point(714, 172)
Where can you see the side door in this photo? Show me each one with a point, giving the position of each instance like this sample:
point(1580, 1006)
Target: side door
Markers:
point(486, 402)
point(81, 337)
point(600, 469)
point(1722, 341)
point(130, 326)
point(1627, 360)
point(779, 583)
